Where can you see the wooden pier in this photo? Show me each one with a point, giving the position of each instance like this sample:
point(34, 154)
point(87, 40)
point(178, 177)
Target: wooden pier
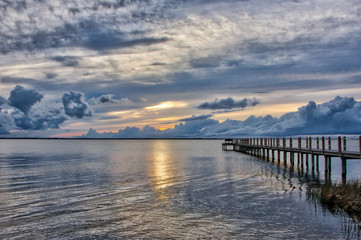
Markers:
point(302, 147)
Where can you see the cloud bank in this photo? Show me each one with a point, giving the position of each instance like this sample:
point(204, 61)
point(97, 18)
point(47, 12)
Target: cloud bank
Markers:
point(342, 115)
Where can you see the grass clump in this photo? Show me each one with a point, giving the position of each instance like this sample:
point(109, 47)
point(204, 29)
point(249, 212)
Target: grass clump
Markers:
point(345, 196)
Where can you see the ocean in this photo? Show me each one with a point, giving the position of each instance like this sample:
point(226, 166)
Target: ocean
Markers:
point(159, 189)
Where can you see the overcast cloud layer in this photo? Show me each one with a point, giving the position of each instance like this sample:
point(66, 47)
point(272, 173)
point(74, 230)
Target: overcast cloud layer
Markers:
point(68, 66)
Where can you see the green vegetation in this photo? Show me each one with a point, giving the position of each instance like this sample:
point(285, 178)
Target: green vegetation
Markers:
point(345, 196)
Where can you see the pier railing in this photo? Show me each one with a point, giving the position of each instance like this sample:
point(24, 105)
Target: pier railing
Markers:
point(302, 146)
point(333, 147)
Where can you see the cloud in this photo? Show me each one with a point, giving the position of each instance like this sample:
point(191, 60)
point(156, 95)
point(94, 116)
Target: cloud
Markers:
point(67, 61)
point(39, 121)
point(229, 103)
point(191, 129)
point(210, 62)
point(342, 115)
point(50, 75)
point(194, 117)
point(128, 132)
point(23, 99)
point(24, 117)
point(338, 116)
point(100, 25)
point(104, 41)
point(109, 99)
point(6, 123)
point(2, 100)
point(75, 106)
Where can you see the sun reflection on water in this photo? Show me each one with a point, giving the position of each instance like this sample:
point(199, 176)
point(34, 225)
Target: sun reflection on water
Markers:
point(161, 170)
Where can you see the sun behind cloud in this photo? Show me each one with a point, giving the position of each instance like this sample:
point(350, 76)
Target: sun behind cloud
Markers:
point(168, 104)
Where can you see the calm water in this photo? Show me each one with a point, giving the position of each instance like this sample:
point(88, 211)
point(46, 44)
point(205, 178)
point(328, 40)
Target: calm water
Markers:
point(111, 189)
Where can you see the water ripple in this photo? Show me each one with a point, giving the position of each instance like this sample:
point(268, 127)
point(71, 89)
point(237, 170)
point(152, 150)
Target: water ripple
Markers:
point(160, 192)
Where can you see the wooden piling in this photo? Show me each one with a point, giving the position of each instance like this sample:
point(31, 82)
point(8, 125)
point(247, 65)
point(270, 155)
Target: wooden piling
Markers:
point(344, 170)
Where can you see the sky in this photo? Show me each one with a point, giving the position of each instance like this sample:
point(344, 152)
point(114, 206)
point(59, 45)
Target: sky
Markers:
point(179, 68)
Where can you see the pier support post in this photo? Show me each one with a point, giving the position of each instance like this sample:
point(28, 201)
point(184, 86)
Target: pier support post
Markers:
point(344, 170)
point(284, 158)
point(359, 143)
point(326, 167)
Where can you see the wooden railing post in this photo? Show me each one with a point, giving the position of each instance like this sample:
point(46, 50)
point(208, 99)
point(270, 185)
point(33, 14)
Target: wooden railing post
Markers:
point(339, 145)
point(291, 144)
point(310, 143)
point(344, 144)
point(299, 142)
point(323, 144)
point(329, 143)
point(284, 142)
point(318, 142)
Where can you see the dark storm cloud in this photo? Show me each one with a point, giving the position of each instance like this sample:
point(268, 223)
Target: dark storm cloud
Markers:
point(23, 99)
point(194, 117)
point(341, 115)
point(229, 103)
point(75, 105)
